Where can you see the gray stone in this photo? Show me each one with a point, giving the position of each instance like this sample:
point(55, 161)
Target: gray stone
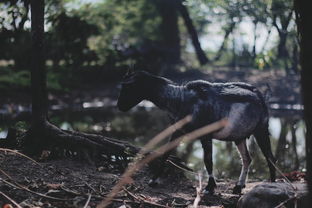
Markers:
point(267, 195)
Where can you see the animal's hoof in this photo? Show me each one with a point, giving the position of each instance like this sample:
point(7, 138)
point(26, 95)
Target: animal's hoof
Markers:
point(238, 189)
point(153, 182)
point(208, 192)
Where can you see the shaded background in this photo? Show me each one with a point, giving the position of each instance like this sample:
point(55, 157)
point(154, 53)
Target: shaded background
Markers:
point(90, 45)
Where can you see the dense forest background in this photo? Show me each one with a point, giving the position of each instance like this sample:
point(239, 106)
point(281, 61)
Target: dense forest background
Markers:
point(152, 35)
point(90, 44)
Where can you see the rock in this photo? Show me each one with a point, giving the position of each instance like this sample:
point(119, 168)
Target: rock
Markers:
point(267, 195)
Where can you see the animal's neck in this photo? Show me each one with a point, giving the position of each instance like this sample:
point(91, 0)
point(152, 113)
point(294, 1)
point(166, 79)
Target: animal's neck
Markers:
point(168, 97)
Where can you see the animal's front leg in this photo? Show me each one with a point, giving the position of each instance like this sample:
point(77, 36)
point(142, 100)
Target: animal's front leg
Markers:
point(207, 146)
point(158, 173)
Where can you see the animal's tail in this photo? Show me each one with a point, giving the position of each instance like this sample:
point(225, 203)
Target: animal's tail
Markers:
point(263, 100)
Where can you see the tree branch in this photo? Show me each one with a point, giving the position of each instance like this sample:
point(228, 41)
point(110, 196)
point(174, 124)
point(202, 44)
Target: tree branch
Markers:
point(202, 58)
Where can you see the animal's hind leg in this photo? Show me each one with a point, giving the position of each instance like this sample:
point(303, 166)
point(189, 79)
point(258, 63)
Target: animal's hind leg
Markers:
point(263, 140)
point(246, 160)
point(207, 146)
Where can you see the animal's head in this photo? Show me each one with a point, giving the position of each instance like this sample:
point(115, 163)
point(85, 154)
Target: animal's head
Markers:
point(132, 90)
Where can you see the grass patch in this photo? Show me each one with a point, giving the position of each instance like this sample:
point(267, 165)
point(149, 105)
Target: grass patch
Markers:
point(11, 79)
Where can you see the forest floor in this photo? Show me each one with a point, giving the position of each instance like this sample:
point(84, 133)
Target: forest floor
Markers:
point(72, 183)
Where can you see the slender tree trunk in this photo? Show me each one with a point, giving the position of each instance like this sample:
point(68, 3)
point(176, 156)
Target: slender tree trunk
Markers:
point(234, 58)
point(282, 51)
point(280, 149)
point(228, 31)
point(295, 59)
point(170, 30)
point(35, 140)
point(201, 56)
point(255, 40)
point(294, 144)
point(38, 73)
point(303, 17)
point(266, 40)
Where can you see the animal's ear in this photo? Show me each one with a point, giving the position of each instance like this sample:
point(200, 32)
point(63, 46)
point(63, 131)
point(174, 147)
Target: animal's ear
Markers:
point(128, 80)
point(129, 72)
point(130, 77)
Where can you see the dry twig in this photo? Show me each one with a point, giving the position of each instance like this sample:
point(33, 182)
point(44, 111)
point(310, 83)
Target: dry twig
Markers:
point(140, 199)
point(4, 173)
point(19, 186)
point(181, 168)
point(21, 154)
point(10, 199)
point(198, 191)
point(289, 182)
point(88, 201)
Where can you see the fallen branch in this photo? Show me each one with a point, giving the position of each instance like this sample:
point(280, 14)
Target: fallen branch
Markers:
point(181, 168)
point(21, 187)
point(21, 154)
point(4, 173)
point(88, 201)
point(288, 182)
point(141, 200)
point(10, 199)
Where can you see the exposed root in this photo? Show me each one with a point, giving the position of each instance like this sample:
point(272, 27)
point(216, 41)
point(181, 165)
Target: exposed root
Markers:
point(90, 147)
point(85, 146)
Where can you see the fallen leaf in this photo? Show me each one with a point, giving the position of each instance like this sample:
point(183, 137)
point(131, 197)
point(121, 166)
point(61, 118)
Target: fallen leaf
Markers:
point(54, 185)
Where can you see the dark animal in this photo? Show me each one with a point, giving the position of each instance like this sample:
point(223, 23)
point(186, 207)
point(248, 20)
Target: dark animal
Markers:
point(241, 103)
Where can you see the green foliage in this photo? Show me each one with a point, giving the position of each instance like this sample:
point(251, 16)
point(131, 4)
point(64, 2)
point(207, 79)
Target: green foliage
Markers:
point(53, 81)
point(264, 60)
point(21, 126)
point(122, 24)
point(14, 35)
point(20, 79)
point(115, 33)
point(67, 40)
point(12, 79)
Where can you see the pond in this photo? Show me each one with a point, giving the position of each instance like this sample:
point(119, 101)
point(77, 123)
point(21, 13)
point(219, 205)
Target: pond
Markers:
point(145, 121)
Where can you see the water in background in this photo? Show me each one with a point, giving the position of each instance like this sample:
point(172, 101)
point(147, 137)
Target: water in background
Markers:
point(144, 122)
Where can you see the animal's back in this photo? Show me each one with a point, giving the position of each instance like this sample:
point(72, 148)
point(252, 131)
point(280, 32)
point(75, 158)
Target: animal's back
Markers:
point(241, 103)
point(231, 91)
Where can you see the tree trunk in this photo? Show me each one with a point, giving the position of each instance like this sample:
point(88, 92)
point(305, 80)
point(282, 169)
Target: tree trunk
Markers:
point(228, 31)
point(294, 144)
point(202, 58)
point(38, 73)
point(303, 17)
point(266, 40)
point(170, 30)
point(255, 40)
point(280, 149)
point(295, 59)
point(233, 63)
point(32, 144)
point(282, 51)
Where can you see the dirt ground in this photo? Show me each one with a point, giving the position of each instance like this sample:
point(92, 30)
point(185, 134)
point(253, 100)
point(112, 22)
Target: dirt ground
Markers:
point(72, 183)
